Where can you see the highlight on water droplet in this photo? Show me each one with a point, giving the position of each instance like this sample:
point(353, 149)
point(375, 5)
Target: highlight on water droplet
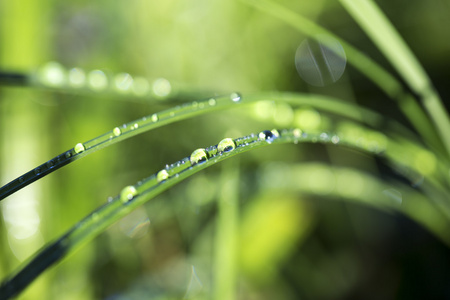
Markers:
point(320, 61)
point(128, 193)
point(123, 82)
point(269, 135)
point(161, 87)
point(52, 74)
point(235, 97)
point(77, 77)
point(79, 148)
point(162, 175)
point(226, 145)
point(198, 156)
point(155, 118)
point(117, 131)
point(97, 80)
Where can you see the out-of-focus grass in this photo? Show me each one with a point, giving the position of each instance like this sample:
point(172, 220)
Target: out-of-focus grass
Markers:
point(325, 250)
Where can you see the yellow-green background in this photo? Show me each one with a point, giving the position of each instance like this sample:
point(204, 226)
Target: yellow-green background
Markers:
point(290, 245)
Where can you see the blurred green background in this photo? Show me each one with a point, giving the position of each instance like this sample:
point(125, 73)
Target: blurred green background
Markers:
point(290, 244)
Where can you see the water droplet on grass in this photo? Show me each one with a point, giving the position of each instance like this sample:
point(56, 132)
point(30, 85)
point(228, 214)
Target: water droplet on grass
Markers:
point(162, 175)
point(123, 82)
point(212, 102)
point(269, 135)
point(117, 131)
point(155, 118)
point(324, 137)
point(37, 171)
point(97, 80)
point(79, 148)
point(226, 145)
point(77, 77)
point(140, 86)
point(235, 97)
point(128, 193)
point(198, 156)
point(52, 74)
point(335, 139)
point(161, 87)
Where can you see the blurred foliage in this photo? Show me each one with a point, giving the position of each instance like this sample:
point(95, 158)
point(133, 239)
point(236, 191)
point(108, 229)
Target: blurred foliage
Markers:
point(291, 244)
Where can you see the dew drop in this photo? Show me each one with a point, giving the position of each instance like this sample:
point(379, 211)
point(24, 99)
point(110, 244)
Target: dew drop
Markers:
point(226, 145)
point(155, 118)
point(52, 74)
point(37, 171)
point(324, 137)
point(335, 139)
point(128, 193)
point(123, 82)
point(21, 180)
point(269, 136)
point(97, 80)
point(161, 87)
point(198, 156)
point(77, 77)
point(117, 131)
point(140, 86)
point(212, 102)
point(162, 175)
point(68, 154)
point(297, 133)
point(79, 148)
point(235, 97)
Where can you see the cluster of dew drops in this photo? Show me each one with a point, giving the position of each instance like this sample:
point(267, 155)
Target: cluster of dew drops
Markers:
point(201, 155)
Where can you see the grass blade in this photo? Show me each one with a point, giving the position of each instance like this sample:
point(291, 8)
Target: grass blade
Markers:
point(382, 78)
point(134, 196)
point(386, 38)
point(188, 111)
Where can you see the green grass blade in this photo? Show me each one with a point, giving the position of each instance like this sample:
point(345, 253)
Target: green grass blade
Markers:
point(134, 196)
point(382, 78)
point(188, 111)
point(225, 260)
point(55, 78)
point(380, 30)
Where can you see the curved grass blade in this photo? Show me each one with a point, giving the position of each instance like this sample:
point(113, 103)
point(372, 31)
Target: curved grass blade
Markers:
point(382, 78)
point(54, 77)
point(359, 187)
point(190, 110)
point(372, 20)
point(135, 195)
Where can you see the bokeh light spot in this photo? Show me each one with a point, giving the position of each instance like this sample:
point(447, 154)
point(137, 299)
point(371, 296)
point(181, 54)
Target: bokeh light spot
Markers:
point(320, 61)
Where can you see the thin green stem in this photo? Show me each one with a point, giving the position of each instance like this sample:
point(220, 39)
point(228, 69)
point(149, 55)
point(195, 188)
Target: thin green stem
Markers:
point(134, 196)
point(191, 110)
point(382, 78)
point(388, 40)
point(225, 260)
